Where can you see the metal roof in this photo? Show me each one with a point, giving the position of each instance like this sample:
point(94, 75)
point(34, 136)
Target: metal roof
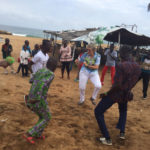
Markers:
point(70, 34)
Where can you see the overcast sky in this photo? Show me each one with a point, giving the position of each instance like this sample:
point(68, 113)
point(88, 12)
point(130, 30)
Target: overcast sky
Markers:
point(75, 14)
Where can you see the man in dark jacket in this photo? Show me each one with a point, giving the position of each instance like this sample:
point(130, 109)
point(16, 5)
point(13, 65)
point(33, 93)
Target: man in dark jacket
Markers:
point(6, 51)
point(126, 77)
point(6, 48)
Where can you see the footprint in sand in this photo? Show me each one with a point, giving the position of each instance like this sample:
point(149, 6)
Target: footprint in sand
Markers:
point(59, 85)
point(69, 98)
point(6, 91)
point(2, 109)
point(51, 96)
point(18, 86)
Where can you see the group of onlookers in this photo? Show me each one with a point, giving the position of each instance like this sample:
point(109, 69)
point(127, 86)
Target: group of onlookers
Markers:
point(25, 57)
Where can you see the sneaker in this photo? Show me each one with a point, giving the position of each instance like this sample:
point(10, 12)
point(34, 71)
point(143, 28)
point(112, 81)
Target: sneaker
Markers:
point(122, 136)
point(13, 72)
point(105, 141)
point(80, 102)
point(93, 101)
point(144, 97)
point(76, 80)
point(6, 72)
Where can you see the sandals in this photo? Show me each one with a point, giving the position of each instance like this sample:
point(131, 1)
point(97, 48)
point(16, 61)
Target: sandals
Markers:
point(41, 137)
point(29, 139)
point(25, 99)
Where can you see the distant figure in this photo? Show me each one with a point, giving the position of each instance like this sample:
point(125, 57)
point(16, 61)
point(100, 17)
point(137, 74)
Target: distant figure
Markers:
point(145, 74)
point(110, 62)
point(6, 52)
point(35, 50)
point(65, 58)
point(26, 44)
point(126, 77)
point(37, 99)
point(24, 59)
point(89, 70)
point(40, 59)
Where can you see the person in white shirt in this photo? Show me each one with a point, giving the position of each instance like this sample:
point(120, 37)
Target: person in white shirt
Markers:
point(40, 59)
point(24, 57)
point(110, 62)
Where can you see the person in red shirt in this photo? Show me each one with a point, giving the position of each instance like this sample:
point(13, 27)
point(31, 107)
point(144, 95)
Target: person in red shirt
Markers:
point(126, 77)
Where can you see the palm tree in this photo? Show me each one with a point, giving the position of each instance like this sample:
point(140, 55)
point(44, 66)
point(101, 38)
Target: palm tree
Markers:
point(148, 8)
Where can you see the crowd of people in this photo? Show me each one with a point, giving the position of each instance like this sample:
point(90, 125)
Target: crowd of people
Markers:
point(124, 76)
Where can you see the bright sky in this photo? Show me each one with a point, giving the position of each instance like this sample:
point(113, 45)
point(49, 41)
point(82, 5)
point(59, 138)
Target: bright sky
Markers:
point(75, 14)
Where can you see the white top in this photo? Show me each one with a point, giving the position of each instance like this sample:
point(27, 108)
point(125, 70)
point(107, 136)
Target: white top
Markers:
point(147, 61)
point(24, 56)
point(110, 61)
point(39, 60)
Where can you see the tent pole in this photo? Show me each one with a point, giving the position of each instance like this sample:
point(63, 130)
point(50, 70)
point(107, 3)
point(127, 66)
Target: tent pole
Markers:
point(119, 37)
point(108, 44)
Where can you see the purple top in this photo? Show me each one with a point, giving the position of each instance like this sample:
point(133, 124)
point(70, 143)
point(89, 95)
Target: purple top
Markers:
point(126, 77)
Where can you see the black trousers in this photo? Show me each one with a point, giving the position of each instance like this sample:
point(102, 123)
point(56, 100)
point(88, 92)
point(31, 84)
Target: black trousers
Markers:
point(145, 76)
point(66, 65)
point(19, 67)
point(100, 109)
point(24, 70)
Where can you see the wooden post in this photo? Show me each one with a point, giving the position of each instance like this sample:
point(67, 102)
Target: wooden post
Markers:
point(119, 39)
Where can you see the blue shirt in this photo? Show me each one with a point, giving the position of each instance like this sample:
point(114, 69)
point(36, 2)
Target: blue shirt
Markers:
point(90, 61)
point(28, 49)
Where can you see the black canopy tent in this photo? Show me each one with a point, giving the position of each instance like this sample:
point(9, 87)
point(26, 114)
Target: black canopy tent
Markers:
point(124, 36)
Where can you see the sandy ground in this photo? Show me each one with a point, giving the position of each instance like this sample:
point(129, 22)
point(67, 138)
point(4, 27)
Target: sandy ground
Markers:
point(72, 127)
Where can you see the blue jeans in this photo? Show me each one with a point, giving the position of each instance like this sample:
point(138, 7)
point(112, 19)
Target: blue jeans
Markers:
point(103, 105)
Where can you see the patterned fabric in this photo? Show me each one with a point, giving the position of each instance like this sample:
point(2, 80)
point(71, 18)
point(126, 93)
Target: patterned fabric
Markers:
point(40, 85)
point(90, 61)
point(126, 77)
point(65, 54)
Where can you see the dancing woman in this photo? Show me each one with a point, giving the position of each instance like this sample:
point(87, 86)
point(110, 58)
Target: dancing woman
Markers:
point(89, 70)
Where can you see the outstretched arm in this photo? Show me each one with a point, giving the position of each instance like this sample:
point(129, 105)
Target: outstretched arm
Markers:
point(29, 66)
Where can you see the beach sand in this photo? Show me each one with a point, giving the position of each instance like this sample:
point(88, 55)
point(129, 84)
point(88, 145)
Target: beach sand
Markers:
point(72, 127)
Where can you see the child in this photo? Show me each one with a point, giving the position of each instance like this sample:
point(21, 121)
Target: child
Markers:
point(7, 62)
point(24, 57)
point(36, 100)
